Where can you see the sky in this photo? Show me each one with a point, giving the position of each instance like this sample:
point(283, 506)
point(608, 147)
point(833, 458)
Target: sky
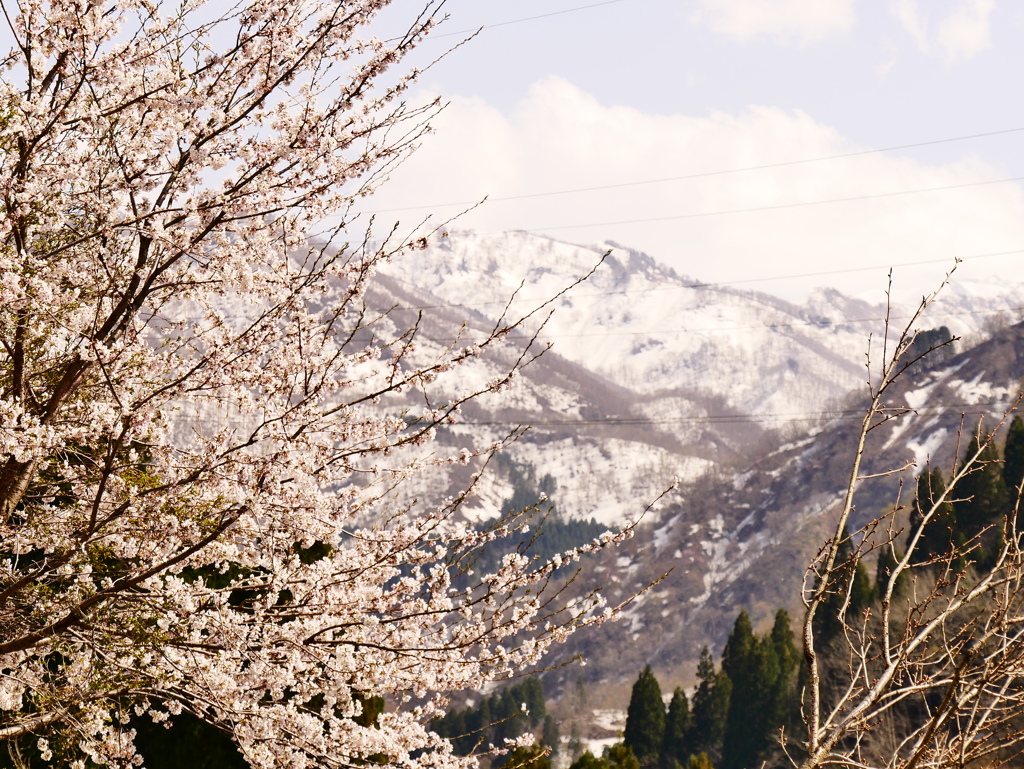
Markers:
point(650, 123)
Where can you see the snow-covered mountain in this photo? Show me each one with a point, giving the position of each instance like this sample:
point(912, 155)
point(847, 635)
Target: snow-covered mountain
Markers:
point(657, 375)
point(646, 328)
point(654, 375)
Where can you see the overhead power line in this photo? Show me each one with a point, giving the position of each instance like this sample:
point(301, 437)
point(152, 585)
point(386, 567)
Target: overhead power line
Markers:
point(464, 32)
point(794, 416)
point(824, 324)
point(722, 283)
point(706, 174)
point(725, 418)
point(778, 207)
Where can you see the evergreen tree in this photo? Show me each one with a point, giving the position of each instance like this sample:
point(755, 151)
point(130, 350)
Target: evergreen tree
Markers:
point(700, 717)
point(939, 535)
point(575, 745)
point(645, 718)
point(888, 559)
point(741, 661)
point(935, 343)
point(528, 757)
point(511, 720)
point(982, 493)
point(745, 730)
point(580, 695)
point(828, 623)
point(862, 593)
point(700, 761)
point(1013, 457)
point(784, 704)
point(550, 735)
point(982, 499)
point(676, 745)
point(736, 655)
point(619, 756)
point(710, 707)
point(532, 692)
point(588, 760)
point(498, 717)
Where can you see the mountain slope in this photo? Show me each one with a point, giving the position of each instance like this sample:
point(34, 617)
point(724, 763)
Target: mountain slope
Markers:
point(744, 541)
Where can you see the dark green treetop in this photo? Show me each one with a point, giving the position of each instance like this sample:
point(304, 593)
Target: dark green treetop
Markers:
point(736, 654)
point(550, 735)
point(888, 559)
point(939, 535)
point(1013, 457)
point(710, 707)
point(678, 723)
point(981, 495)
point(645, 718)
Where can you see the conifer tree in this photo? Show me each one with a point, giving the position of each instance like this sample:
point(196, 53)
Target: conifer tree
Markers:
point(736, 655)
point(938, 536)
point(645, 718)
point(741, 661)
point(588, 760)
point(862, 592)
point(888, 558)
point(784, 705)
point(528, 757)
point(550, 735)
point(710, 707)
point(749, 719)
point(982, 495)
point(575, 745)
point(1013, 457)
point(827, 621)
point(618, 756)
point(762, 682)
point(675, 747)
point(532, 692)
point(982, 500)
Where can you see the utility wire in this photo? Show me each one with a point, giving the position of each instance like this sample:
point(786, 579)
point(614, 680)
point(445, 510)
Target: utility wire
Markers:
point(725, 283)
point(823, 324)
point(706, 174)
point(738, 418)
point(751, 417)
point(721, 283)
point(779, 207)
point(464, 32)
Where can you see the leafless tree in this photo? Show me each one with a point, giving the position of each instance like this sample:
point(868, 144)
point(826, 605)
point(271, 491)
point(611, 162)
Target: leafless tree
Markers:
point(930, 676)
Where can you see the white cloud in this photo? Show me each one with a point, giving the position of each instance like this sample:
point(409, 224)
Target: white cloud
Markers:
point(785, 21)
point(908, 14)
point(560, 137)
point(962, 32)
point(965, 32)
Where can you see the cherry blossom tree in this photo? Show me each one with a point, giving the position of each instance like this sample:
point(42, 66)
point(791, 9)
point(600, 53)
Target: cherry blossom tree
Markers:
point(204, 423)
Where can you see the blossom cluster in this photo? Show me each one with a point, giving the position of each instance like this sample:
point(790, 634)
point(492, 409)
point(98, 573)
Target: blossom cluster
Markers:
point(201, 426)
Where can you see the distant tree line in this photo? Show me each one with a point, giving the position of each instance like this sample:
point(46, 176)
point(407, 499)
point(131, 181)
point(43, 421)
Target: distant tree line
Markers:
point(935, 343)
point(498, 717)
point(969, 524)
point(550, 533)
point(735, 714)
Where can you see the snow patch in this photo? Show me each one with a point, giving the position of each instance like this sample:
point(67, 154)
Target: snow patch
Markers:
point(925, 447)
